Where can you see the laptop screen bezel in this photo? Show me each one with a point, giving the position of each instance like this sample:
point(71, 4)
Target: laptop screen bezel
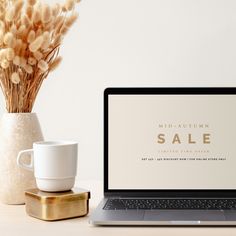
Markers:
point(201, 193)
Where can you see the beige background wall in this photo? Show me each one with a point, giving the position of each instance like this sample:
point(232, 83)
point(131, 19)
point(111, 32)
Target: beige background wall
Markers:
point(133, 43)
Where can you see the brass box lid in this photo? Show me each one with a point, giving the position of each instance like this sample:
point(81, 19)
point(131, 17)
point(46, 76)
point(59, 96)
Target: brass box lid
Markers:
point(57, 206)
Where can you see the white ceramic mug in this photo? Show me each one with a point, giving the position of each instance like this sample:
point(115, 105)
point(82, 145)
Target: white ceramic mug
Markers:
point(54, 164)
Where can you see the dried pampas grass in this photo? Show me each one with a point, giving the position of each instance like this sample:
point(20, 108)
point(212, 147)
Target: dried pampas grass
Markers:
point(10, 54)
point(31, 33)
point(36, 44)
point(55, 63)
point(46, 14)
point(69, 5)
point(31, 2)
point(15, 78)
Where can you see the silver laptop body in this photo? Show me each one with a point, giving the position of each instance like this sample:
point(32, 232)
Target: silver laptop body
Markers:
point(169, 157)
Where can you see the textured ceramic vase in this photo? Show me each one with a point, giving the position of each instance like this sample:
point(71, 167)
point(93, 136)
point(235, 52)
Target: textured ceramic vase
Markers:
point(18, 131)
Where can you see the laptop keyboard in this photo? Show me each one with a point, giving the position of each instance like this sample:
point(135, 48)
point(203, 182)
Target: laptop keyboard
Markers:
point(157, 204)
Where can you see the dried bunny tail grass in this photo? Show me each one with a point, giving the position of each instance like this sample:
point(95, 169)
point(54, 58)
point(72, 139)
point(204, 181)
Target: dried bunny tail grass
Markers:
point(10, 14)
point(71, 20)
point(46, 35)
point(63, 9)
point(43, 65)
point(49, 27)
point(18, 6)
point(46, 40)
point(32, 61)
point(36, 44)
point(29, 11)
point(21, 30)
point(58, 23)
point(56, 9)
point(10, 54)
point(59, 26)
point(55, 63)
point(16, 61)
point(23, 62)
point(64, 29)
point(13, 29)
point(18, 46)
point(31, 36)
point(9, 39)
point(2, 55)
point(15, 78)
point(36, 17)
point(2, 26)
point(2, 12)
point(3, 3)
point(46, 13)
point(31, 2)
point(38, 55)
point(38, 6)
point(23, 49)
point(58, 39)
point(26, 21)
point(5, 64)
point(1, 38)
point(25, 34)
point(38, 32)
point(28, 68)
point(69, 5)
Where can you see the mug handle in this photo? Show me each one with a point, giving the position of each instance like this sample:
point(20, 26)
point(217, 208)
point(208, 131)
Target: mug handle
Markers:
point(23, 165)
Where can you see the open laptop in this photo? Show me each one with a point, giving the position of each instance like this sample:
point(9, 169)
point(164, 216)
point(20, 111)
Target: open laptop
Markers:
point(169, 157)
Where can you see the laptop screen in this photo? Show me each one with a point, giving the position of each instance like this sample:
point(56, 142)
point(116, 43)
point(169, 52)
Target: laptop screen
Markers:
point(171, 141)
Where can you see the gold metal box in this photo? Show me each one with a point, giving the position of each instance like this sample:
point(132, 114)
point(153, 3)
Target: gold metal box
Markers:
point(57, 206)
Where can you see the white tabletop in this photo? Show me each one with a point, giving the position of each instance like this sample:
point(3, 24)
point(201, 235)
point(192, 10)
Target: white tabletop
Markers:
point(14, 221)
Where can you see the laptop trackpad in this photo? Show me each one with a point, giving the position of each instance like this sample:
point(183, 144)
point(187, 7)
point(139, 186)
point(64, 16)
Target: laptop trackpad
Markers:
point(184, 215)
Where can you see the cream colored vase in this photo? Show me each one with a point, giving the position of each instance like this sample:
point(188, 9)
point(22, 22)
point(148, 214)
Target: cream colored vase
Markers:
point(18, 131)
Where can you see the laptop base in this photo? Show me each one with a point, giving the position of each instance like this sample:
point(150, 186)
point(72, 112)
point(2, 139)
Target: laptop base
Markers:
point(162, 217)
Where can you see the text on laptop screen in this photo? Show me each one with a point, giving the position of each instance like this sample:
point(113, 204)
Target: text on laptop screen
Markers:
point(171, 142)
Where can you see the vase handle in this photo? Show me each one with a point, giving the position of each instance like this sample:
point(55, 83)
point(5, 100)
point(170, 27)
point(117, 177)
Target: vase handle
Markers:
point(23, 165)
